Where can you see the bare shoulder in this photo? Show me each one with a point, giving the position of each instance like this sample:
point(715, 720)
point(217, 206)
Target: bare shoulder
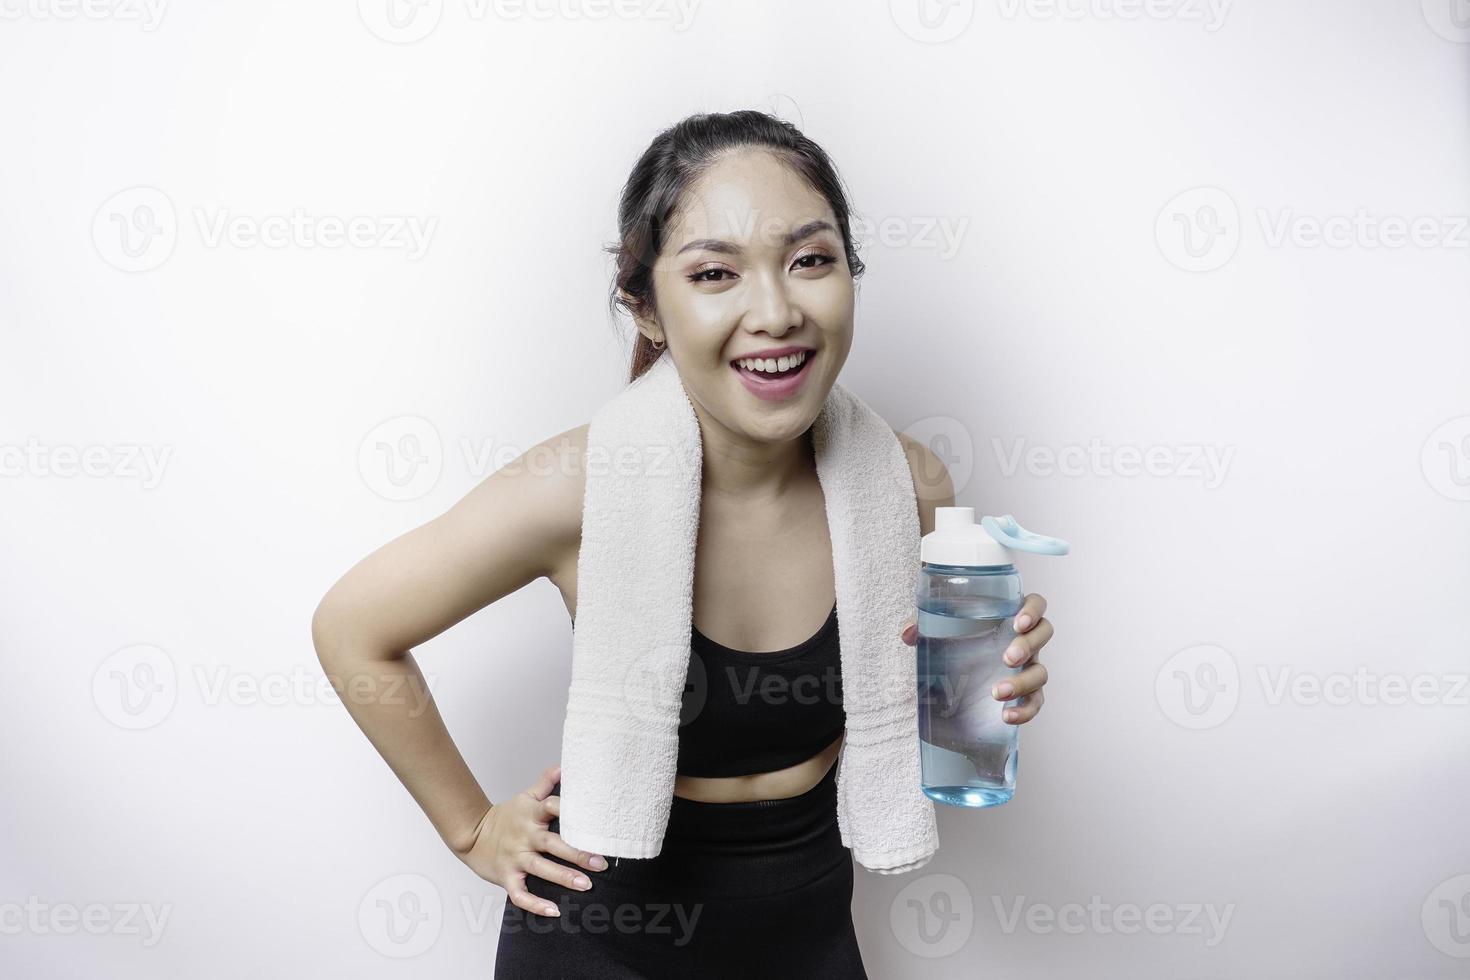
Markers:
point(557, 468)
point(932, 484)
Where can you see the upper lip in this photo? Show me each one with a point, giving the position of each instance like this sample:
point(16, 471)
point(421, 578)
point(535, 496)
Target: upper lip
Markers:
point(773, 352)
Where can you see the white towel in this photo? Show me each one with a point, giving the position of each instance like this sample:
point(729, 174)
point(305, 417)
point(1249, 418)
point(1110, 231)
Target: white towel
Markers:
point(635, 599)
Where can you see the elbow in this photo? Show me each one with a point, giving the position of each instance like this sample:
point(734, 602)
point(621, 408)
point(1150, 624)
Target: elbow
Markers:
point(326, 632)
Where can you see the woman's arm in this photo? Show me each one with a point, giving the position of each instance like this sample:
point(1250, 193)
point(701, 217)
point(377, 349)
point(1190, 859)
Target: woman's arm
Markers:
point(932, 484)
point(513, 528)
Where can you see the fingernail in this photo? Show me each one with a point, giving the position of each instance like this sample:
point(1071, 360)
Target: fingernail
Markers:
point(581, 882)
point(1011, 715)
point(599, 862)
point(1023, 622)
point(1013, 656)
point(552, 910)
point(1002, 691)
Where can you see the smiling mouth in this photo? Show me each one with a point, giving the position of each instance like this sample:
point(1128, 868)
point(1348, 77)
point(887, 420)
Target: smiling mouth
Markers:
point(792, 369)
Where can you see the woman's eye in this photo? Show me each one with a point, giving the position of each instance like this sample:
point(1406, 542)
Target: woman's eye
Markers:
point(811, 260)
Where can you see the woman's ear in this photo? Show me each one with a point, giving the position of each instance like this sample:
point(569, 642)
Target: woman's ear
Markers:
point(647, 324)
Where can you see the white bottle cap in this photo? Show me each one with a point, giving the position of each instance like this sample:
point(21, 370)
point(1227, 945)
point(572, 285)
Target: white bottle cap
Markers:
point(958, 540)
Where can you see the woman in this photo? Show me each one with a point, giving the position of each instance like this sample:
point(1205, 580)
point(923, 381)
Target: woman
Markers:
point(736, 259)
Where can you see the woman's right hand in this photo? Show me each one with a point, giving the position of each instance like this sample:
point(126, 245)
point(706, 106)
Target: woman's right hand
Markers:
point(513, 839)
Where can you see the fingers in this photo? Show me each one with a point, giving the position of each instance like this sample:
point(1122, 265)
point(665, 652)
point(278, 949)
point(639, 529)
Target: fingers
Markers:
point(547, 781)
point(1022, 683)
point(516, 894)
point(558, 874)
point(1025, 710)
point(552, 843)
point(1026, 646)
point(910, 633)
point(1031, 612)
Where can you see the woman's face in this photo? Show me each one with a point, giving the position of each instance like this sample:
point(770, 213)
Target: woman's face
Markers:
point(753, 265)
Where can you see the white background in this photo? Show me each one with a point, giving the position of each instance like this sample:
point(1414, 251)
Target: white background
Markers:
point(1085, 308)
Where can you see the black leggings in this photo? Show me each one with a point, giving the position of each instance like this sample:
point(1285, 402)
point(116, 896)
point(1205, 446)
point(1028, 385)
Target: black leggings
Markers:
point(758, 889)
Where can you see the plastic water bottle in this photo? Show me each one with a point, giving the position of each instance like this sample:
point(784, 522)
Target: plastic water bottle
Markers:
point(968, 596)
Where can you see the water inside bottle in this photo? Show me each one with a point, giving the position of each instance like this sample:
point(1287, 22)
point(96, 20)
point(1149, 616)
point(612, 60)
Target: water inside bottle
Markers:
point(968, 751)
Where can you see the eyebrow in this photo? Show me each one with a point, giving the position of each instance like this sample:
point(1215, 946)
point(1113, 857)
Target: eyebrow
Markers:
point(790, 238)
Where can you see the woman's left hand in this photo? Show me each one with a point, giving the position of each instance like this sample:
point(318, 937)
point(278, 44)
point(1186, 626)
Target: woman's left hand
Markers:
point(1033, 631)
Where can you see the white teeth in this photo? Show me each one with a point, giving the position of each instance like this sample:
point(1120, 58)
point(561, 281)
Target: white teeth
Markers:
point(772, 364)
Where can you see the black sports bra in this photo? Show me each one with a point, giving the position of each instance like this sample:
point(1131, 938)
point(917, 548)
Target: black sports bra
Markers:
point(747, 712)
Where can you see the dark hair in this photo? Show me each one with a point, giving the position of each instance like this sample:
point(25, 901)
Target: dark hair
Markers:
point(676, 158)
